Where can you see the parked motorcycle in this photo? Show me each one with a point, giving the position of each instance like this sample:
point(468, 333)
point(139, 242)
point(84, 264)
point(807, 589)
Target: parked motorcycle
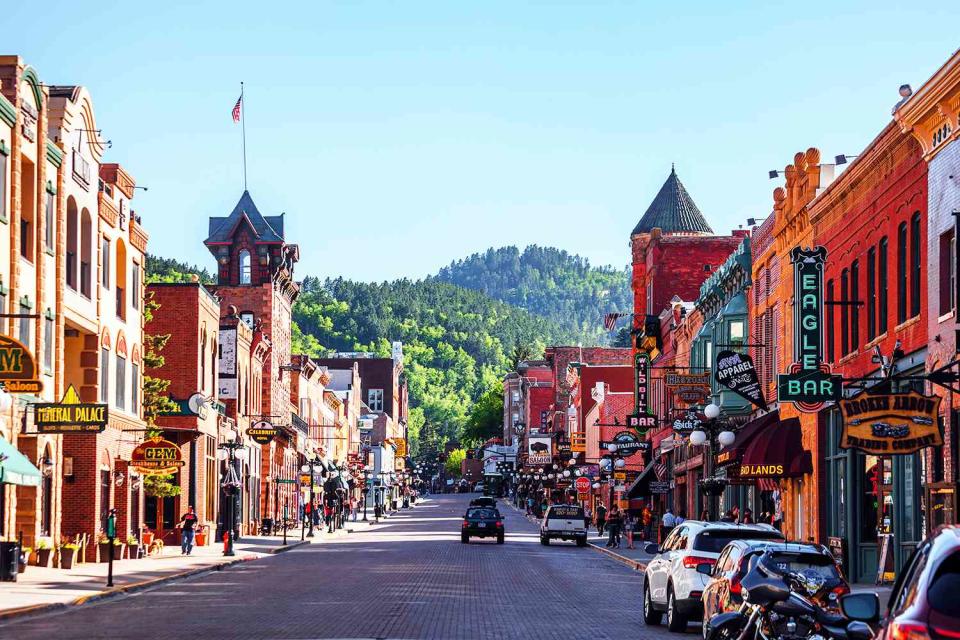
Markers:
point(780, 605)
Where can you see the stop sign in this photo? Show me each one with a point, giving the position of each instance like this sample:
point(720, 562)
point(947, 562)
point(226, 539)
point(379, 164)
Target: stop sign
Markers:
point(582, 484)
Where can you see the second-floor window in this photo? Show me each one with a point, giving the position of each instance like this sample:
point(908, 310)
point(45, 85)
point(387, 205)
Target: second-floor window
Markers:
point(135, 286)
point(882, 286)
point(948, 273)
point(135, 389)
point(104, 375)
point(375, 399)
point(915, 266)
point(831, 327)
point(871, 293)
point(25, 326)
point(855, 309)
point(902, 273)
point(48, 330)
point(244, 267)
point(105, 257)
point(49, 223)
point(121, 395)
point(844, 312)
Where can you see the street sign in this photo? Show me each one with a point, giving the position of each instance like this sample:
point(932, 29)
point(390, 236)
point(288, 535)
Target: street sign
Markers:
point(582, 484)
point(659, 486)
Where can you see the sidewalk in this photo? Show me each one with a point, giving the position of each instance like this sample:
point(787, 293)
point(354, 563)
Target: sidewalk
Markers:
point(41, 588)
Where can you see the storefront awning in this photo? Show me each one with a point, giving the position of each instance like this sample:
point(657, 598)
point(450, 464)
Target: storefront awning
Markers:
point(776, 452)
point(744, 436)
point(641, 486)
point(15, 468)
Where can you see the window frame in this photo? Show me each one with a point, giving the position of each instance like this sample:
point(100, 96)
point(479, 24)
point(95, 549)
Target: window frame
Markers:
point(883, 285)
point(902, 273)
point(854, 308)
point(871, 293)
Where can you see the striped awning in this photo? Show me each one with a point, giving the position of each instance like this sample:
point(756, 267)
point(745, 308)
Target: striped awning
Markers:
point(15, 468)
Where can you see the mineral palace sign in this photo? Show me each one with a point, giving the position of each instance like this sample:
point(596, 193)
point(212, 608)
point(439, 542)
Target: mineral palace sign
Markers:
point(71, 415)
point(894, 423)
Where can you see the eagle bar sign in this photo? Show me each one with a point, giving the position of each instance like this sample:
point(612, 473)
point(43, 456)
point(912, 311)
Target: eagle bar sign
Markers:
point(71, 415)
point(809, 383)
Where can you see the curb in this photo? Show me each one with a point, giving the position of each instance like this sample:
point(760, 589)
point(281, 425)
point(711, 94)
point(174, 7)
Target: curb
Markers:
point(290, 546)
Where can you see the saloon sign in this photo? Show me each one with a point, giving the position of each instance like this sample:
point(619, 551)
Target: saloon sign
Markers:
point(156, 456)
point(688, 387)
point(18, 369)
point(809, 384)
point(70, 415)
point(886, 424)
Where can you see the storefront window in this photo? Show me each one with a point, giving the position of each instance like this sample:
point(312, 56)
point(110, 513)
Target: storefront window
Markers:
point(869, 503)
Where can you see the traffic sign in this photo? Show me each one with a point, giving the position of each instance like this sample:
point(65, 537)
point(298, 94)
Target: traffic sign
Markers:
point(583, 484)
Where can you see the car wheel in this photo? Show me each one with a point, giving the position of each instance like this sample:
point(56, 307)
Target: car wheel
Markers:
point(650, 615)
point(464, 539)
point(581, 542)
point(500, 539)
point(545, 541)
point(675, 621)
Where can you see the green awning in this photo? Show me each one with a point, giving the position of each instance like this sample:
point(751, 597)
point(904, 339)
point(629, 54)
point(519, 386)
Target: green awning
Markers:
point(15, 468)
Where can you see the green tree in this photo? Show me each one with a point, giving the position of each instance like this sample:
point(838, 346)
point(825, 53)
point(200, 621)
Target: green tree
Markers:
point(454, 458)
point(486, 418)
point(155, 399)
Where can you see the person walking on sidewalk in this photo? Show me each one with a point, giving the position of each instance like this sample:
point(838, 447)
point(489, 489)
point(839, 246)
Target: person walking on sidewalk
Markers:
point(601, 518)
point(187, 523)
point(668, 522)
point(629, 524)
point(613, 526)
point(587, 517)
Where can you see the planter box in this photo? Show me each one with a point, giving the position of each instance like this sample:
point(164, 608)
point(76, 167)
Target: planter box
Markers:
point(67, 557)
point(43, 557)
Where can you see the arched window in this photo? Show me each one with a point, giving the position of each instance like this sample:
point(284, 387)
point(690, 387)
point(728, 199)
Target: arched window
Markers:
point(244, 267)
point(882, 286)
point(915, 265)
point(844, 313)
point(86, 253)
point(73, 241)
point(854, 309)
point(902, 272)
point(871, 293)
point(121, 287)
point(46, 491)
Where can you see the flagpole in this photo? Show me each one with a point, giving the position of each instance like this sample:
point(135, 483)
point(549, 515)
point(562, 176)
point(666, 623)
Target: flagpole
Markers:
point(243, 130)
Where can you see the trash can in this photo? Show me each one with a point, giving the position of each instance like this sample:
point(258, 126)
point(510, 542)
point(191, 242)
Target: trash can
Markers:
point(9, 561)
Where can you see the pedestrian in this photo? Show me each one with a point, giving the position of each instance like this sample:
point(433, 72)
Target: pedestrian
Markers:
point(669, 521)
point(530, 503)
point(328, 516)
point(735, 512)
point(601, 518)
point(747, 517)
point(187, 523)
point(587, 517)
point(353, 508)
point(705, 516)
point(629, 523)
point(728, 516)
point(646, 520)
point(614, 521)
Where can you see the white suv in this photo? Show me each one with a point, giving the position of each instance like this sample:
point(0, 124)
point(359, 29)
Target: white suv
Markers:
point(564, 522)
point(672, 584)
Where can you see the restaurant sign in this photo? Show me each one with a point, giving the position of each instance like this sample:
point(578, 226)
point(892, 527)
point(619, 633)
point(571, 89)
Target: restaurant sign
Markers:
point(18, 369)
point(809, 384)
point(887, 424)
point(262, 432)
point(625, 443)
point(70, 415)
point(688, 387)
point(156, 456)
point(737, 372)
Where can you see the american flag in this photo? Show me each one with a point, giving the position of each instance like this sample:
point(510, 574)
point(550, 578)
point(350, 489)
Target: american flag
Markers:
point(236, 109)
point(661, 470)
point(610, 320)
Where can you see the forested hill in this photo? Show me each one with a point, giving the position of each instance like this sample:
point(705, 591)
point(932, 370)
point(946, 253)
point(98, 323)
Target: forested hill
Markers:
point(548, 282)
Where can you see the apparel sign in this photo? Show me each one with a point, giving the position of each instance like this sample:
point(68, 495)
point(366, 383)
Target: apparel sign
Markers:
point(18, 369)
point(688, 387)
point(887, 424)
point(539, 450)
point(70, 415)
point(262, 432)
point(640, 419)
point(156, 456)
point(809, 384)
point(626, 443)
point(737, 372)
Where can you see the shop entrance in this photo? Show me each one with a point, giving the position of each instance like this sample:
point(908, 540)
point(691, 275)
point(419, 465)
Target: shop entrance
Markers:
point(160, 516)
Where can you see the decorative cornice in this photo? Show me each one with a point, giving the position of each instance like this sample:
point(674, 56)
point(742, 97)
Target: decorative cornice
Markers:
point(54, 153)
point(138, 237)
point(932, 114)
point(108, 212)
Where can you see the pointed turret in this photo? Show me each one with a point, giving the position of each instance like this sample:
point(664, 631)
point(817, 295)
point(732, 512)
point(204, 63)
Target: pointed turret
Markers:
point(673, 211)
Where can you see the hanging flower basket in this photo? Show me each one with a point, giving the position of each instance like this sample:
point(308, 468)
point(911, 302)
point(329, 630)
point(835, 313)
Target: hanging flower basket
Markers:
point(713, 486)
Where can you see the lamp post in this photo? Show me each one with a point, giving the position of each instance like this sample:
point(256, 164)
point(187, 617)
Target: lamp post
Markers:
point(712, 430)
point(227, 451)
point(366, 489)
point(308, 468)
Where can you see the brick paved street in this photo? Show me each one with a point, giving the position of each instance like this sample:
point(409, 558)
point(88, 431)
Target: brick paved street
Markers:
point(409, 577)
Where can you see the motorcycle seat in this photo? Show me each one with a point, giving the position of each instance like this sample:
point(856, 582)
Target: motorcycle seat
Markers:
point(831, 619)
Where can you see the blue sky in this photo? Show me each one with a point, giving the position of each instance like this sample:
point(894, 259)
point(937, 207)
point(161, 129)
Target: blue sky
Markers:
point(398, 136)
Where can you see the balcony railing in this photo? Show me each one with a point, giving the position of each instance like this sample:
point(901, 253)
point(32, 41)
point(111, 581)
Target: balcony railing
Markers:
point(299, 424)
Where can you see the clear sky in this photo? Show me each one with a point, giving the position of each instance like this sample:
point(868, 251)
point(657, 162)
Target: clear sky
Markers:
point(398, 136)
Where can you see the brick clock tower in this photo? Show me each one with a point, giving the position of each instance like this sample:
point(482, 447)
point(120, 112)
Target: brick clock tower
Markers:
point(255, 273)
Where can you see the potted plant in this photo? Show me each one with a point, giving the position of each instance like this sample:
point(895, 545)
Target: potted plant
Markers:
point(44, 549)
point(118, 547)
point(133, 547)
point(22, 560)
point(68, 553)
point(103, 547)
point(202, 536)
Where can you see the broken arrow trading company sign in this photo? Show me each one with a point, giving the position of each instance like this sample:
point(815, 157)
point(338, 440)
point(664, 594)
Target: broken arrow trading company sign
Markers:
point(736, 372)
point(886, 424)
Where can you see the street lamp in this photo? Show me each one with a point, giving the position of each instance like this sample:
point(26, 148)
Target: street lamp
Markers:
point(710, 486)
point(230, 486)
point(308, 468)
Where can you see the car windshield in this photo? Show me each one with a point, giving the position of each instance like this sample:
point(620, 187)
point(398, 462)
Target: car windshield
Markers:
point(565, 512)
point(714, 540)
point(484, 514)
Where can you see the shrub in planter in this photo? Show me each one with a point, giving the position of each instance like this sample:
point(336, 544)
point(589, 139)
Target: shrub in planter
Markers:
point(68, 554)
point(44, 550)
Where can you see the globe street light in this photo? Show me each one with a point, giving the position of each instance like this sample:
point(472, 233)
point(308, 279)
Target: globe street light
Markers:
point(308, 468)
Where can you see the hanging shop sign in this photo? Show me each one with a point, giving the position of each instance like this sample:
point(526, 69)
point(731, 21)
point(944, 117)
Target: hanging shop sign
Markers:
point(18, 369)
point(687, 423)
point(626, 443)
point(401, 445)
point(659, 486)
point(688, 387)
point(262, 432)
point(887, 424)
point(737, 372)
point(539, 450)
point(156, 456)
point(809, 384)
point(70, 415)
point(640, 419)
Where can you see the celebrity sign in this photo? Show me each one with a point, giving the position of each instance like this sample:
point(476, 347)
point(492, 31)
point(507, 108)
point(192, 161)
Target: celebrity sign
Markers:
point(262, 432)
point(736, 372)
point(809, 384)
point(888, 424)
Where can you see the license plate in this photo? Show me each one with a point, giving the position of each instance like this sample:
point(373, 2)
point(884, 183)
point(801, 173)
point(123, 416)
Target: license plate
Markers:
point(482, 525)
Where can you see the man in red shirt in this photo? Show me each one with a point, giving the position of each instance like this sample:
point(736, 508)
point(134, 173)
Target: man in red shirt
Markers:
point(187, 523)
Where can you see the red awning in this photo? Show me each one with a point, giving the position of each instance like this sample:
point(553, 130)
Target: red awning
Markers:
point(776, 452)
point(744, 436)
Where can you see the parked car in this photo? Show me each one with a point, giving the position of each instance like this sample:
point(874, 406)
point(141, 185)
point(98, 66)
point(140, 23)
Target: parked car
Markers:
point(924, 600)
point(481, 522)
point(563, 522)
point(672, 584)
point(723, 591)
point(478, 488)
point(485, 501)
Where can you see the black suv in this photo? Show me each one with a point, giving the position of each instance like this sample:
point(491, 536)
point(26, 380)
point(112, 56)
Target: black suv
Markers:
point(485, 501)
point(482, 522)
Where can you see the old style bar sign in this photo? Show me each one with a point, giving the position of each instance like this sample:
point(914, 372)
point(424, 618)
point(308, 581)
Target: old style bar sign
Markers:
point(640, 419)
point(809, 383)
point(71, 415)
